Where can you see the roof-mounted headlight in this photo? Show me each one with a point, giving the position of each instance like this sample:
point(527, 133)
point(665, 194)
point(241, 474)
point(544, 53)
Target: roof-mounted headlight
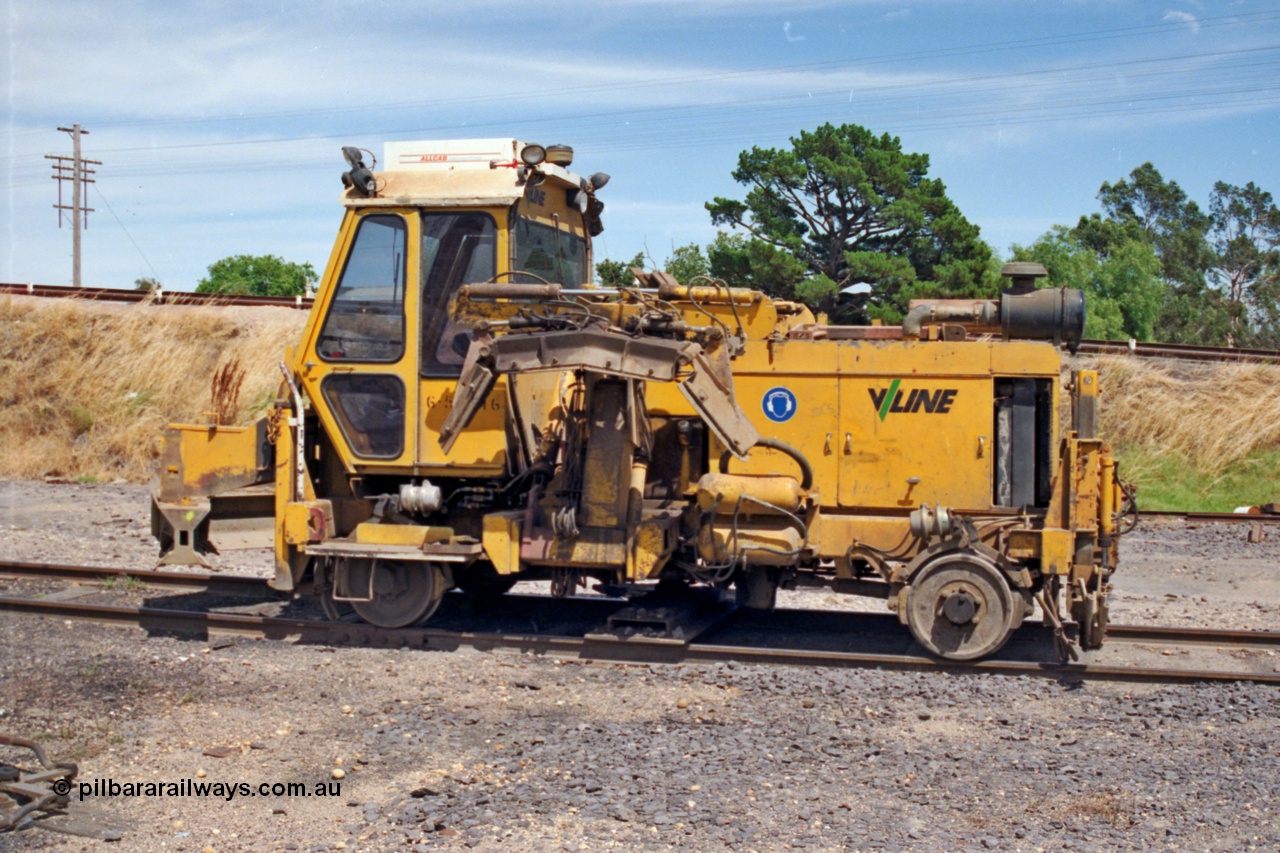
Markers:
point(360, 177)
point(533, 155)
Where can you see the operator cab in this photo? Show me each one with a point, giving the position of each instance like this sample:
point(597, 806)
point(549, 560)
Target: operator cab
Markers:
point(382, 349)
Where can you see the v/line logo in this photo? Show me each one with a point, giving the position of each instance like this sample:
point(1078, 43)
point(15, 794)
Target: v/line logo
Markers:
point(936, 402)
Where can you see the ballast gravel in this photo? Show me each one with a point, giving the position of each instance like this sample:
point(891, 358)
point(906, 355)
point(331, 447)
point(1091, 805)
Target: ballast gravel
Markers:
point(496, 751)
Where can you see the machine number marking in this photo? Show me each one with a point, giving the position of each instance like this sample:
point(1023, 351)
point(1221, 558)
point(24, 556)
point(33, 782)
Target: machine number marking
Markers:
point(493, 403)
point(779, 404)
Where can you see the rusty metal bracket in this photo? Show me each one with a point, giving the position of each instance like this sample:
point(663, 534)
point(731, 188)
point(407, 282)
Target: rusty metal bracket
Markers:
point(708, 384)
point(43, 791)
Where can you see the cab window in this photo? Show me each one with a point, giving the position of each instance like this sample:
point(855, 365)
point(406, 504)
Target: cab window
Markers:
point(366, 318)
point(554, 254)
point(369, 408)
point(457, 249)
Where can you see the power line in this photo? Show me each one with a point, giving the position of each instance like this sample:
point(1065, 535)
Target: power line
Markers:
point(126, 231)
point(631, 112)
point(1217, 75)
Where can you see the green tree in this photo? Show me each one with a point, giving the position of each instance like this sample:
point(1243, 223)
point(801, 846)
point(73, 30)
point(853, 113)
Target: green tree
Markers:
point(147, 283)
point(1145, 207)
point(754, 264)
point(1123, 286)
point(1162, 214)
point(686, 263)
point(618, 273)
point(854, 207)
point(257, 275)
point(1245, 237)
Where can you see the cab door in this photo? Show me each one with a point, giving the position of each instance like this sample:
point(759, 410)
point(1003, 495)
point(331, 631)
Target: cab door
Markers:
point(359, 364)
point(457, 248)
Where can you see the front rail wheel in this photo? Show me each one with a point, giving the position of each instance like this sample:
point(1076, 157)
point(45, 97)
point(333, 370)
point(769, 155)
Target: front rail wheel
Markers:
point(400, 592)
point(960, 607)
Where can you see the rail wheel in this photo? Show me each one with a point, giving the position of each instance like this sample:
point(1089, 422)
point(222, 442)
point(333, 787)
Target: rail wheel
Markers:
point(960, 607)
point(334, 610)
point(403, 592)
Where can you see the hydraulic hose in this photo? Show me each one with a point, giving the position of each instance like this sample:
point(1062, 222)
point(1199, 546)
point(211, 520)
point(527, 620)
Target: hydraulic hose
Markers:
point(806, 470)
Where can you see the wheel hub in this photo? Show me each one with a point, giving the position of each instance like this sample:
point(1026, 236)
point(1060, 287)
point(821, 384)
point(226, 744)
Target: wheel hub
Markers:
point(959, 607)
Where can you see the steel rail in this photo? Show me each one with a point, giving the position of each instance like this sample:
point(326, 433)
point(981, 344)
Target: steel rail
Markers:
point(1186, 352)
point(254, 587)
point(587, 648)
point(163, 297)
point(190, 581)
point(1194, 636)
point(1212, 517)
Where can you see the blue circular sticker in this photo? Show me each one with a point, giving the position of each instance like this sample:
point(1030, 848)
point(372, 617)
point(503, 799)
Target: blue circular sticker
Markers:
point(779, 404)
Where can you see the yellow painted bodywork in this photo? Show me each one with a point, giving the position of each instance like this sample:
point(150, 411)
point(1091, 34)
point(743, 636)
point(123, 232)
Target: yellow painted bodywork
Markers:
point(308, 521)
point(291, 560)
point(860, 460)
point(501, 540)
point(886, 425)
point(204, 460)
point(481, 449)
point(400, 535)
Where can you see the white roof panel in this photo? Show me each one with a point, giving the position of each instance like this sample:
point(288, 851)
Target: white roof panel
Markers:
point(434, 155)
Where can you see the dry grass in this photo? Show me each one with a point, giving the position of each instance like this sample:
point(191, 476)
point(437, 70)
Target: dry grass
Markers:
point(1210, 416)
point(228, 381)
point(86, 388)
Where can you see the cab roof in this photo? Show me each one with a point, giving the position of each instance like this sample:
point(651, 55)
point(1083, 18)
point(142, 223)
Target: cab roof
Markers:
point(454, 173)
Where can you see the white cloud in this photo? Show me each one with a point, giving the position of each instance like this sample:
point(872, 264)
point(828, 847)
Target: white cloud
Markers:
point(1185, 17)
point(896, 15)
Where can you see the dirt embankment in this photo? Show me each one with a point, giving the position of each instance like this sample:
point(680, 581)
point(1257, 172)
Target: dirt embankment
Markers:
point(86, 388)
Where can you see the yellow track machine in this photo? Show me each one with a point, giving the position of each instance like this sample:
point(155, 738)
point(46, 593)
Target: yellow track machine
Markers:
point(465, 410)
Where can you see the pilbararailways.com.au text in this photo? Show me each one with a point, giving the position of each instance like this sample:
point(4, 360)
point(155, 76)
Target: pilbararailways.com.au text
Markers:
point(198, 788)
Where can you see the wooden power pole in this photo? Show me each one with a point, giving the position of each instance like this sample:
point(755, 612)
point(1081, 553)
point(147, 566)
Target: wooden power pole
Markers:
point(76, 170)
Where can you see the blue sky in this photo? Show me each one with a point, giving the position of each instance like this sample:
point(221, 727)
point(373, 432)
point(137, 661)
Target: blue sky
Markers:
point(219, 123)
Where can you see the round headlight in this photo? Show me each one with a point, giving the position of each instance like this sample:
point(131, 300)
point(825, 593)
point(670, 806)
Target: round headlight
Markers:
point(532, 155)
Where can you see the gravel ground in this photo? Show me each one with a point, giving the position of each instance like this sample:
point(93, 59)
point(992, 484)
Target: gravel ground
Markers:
point(458, 750)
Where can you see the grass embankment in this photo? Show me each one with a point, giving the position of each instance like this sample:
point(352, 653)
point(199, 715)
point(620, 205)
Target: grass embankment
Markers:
point(86, 388)
point(1194, 436)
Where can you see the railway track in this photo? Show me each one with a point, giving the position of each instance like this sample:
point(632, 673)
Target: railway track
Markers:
point(780, 646)
point(164, 297)
point(1227, 517)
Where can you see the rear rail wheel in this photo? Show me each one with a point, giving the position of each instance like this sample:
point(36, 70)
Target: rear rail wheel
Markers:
point(960, 606)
